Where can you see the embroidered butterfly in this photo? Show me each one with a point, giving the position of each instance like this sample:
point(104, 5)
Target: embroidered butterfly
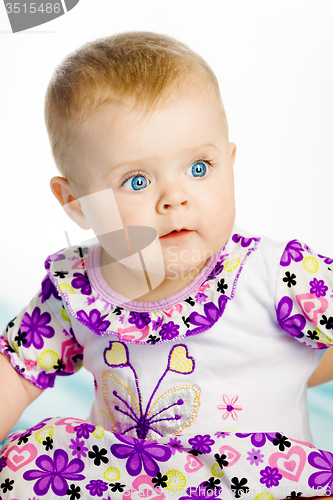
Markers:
point(169, 414)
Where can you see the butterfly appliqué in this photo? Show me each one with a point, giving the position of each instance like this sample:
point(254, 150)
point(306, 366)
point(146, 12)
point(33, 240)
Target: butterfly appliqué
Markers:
point(169, 414)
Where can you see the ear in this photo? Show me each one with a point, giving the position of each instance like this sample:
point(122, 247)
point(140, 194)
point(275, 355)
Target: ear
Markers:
point(62, 190)
point(232, 149)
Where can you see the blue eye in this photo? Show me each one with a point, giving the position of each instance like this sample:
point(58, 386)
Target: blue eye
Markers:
point(198, 169)
point(137, 183)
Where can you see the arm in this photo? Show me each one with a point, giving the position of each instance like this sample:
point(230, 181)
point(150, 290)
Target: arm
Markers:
point(324, 371)
point(16, 394)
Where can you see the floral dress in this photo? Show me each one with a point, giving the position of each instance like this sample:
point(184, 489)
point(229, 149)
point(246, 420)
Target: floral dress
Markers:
point(201, 394)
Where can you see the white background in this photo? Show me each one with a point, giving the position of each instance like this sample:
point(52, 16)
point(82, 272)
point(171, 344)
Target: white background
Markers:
point(273, 60)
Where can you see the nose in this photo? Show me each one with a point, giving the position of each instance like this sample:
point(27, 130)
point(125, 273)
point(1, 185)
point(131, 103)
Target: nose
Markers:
point(173, 197)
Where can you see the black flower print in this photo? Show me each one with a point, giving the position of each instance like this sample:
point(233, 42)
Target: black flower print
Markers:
point(221, 286)
point(221, 460)
point(238, 486)
point(7, 485)
point(60, 274)
point(160, 480)
point(293, 494)
point(59, 366)
point(97, 455)
point(312, 335)
point(190, 301)
point(20, 338)
point(81, 251)
point(74, 492)
point(186, 321)
point(10, 324)
point(328, 322)
point(281, 441)
point(152, 339)
point(117, 310)
point(117, 487)
point(24, 439)
point(212, 484)
point(48, 443)
point(290, 279)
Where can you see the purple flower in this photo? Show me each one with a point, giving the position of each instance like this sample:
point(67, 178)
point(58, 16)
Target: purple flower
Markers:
point(175, 444)
point(203, 491)
point(258, 439)
point(293, 251)
point(212, 314)
point(54, 473)
point(35, 326)
point(53, 258)
point(94, 321)
point(78, 448)
point(318, 287)
point(290, 324)
point(200, 297)
point(217, 269)
point(327, 260)
point(169, 330)
point(83, 430)
point(96, 487)
point(270, 476)
point(255, 457)
point(222, 434)
point(322, 460)
point(140, 452)
point(3, 463)
point(81, 281)
point(245, 242)
point(140, 320)
point(48, 289)
point(156, 324)
point(202, 443)
point(45, 380)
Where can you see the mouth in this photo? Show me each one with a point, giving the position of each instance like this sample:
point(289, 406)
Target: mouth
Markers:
point(177, 233)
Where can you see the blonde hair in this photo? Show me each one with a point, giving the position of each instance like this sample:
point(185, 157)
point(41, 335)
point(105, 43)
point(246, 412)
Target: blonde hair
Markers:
point(143, 66)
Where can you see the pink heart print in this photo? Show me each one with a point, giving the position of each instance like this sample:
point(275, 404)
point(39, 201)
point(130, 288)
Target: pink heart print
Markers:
point(311, 306)
point(193, 464)
point(19, 457)
point(232, 455)
point(290, 464)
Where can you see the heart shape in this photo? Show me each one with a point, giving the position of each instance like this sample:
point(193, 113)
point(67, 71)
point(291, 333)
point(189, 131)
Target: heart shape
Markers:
point(180, 361)
point(193, 464)
point(312, 305)
point(293, 461)
point(19, 457)
point(144, 488)
point(116, 355)
point(232, 455)
point(81, 264)
point(70, 423)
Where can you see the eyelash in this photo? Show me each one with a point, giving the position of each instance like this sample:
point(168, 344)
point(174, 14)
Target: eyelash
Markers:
point(208, 161)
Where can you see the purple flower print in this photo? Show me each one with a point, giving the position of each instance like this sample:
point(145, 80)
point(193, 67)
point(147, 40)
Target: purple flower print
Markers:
point(140, 320)
point(293, 251)
point(222, 434)
point(175, 444)
point(83, 430)
point(156, 324)
point(96, 487)
point(53, 258)
point(202, 443)
point(48, 289)
point(318, 287)
point(140, 453)
point(245, 242)
point(202, 492)
point(3, 463)
point(322, 460)
point(54, 473)
point(327, 260)
point(255, 457)
point(95, 321)
point(212, 314)
point(35, 326)
point(200, 297)
point(217, 269)
point(78, 448)
point(45, 380)
point(290, 324)
point(169, 330)
point(81, 281)
point(270, 476)
point(258, 439)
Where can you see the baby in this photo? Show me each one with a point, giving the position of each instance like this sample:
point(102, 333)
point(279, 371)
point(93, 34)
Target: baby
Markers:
point(190, 326)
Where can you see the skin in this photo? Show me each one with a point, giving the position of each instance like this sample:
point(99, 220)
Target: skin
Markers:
point(159, 150)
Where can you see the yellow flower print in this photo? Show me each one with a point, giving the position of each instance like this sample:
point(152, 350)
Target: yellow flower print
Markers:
point(310, 264)
point(264, 496)
point(216, 470)
point(45, 432)
point(111, 474)
point(231, 265)
point(176, 480)
point(48, 359)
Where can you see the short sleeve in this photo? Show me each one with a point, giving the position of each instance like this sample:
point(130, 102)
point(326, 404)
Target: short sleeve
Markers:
point(40, 341)
point(304, 295)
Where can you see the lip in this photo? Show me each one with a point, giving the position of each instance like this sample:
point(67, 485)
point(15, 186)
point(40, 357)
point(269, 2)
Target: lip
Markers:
point(177, 234)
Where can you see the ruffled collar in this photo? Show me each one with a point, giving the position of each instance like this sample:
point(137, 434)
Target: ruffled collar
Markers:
point(76, 274)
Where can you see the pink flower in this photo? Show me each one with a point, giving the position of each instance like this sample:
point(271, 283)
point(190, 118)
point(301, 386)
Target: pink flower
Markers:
point(229, 406)
point(29, 364)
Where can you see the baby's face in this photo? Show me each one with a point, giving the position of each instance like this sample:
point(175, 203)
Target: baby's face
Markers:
point(171, 170)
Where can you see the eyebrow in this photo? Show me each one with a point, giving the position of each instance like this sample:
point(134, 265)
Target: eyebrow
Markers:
point(143, 160)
